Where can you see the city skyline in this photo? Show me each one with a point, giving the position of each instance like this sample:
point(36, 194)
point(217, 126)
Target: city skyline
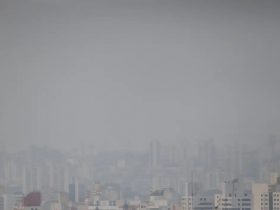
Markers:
point(139, 105)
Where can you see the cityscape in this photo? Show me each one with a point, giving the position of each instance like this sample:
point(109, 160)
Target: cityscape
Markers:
point(139, 105)
point(177, 176)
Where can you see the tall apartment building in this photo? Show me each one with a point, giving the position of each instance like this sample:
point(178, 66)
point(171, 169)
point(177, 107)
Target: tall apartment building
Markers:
point(232, 197)
point(260, 197)
point(267, 196)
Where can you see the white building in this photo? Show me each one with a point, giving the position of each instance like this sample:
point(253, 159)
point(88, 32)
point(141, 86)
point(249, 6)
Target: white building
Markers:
point(275, 200)
point(104, 205)
point(10, 201)
point(232, 197)
point(260, 197)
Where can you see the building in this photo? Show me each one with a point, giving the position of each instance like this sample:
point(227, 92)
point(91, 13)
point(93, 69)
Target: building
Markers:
point(10, 201)
point(260, 197)
point(77, 192)
point(32, 201)
point(201, 201)
point(104, 205)
point(234, 197)
point(154, 154)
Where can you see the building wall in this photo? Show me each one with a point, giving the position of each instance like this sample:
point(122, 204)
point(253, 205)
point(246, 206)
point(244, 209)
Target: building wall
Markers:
point(260, 197)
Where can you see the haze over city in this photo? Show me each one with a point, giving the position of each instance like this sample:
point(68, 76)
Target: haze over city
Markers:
point(120, 74)
point(139, 105)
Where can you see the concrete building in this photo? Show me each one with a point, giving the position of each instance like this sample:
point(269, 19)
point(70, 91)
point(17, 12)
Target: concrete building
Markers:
point(32, 201)
point(154, 154)
point(201, 201)
point(77, 191)
point(260, 195)
point(105, 205)
point(231, 197)
point(10, 201)
point(234, 196)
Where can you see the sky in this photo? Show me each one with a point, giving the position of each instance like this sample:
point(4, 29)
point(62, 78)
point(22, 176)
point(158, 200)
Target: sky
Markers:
point(118, 74)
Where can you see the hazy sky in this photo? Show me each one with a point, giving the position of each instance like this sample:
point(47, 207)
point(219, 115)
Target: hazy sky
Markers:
point(117, 74)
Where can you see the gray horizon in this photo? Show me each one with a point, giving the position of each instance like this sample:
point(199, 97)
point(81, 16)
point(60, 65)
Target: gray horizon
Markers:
point(118, 74)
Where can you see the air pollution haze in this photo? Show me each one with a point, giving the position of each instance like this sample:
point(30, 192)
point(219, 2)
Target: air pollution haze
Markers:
point(139, 105)
point(119, 74)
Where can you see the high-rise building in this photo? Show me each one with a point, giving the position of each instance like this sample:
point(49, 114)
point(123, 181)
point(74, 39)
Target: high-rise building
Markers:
point(154, 154)
point(10, 201)
point(260, 197)
point(77, 191)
